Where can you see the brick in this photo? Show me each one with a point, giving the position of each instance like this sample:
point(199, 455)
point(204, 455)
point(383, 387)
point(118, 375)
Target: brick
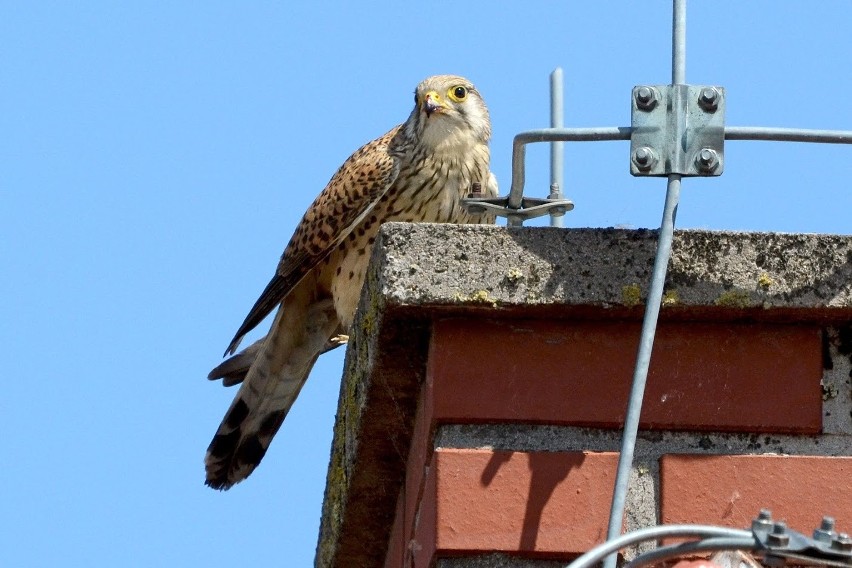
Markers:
point(424, 540)
point(696, 564)
point(539, 504)
point(398, 540)
point(416, 467)
point(730, 490)
point(703, 376)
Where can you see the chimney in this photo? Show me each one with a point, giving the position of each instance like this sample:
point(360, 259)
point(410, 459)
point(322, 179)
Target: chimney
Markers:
point(487, 376)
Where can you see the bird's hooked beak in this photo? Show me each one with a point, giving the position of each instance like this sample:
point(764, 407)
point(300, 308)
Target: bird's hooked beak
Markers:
point(432, 102)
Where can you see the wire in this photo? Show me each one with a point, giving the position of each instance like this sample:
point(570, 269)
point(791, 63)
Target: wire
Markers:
point(654, 533)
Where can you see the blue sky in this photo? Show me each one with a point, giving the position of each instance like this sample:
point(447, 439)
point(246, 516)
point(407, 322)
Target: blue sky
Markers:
point(156, 157)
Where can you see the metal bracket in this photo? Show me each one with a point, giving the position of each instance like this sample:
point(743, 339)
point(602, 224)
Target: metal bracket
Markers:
point(677, 129)
point(778, 543)
point(531, 207)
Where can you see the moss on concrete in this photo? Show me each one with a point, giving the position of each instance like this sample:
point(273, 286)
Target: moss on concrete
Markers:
point(631, 295)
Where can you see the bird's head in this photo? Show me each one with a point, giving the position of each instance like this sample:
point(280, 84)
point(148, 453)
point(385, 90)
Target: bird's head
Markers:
point(448, 110)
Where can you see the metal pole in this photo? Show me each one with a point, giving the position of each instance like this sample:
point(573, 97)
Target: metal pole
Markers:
point(788, 134)
point(679, 42)
point(557, 154)
point(652, 308)
point(643, 361)
point(599, 134)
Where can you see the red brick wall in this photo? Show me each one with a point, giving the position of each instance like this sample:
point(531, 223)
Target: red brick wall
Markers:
point(723, 378)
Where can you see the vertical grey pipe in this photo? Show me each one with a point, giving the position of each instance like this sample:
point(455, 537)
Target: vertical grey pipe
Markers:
point(516, 193)
point(557, 149)
point(679, 42)
point(652, 308)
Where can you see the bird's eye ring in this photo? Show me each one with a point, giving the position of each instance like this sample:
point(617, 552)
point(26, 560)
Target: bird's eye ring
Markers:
point(457, 93)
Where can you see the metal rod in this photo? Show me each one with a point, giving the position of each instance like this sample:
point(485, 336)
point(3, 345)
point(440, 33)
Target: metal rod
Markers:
point(606, 549)
point(679, 42)
point(643, 361)
point(610, 133)
point(592, 134)
point(652, 307)
point(516, 193)
point(557, 150)
point(788, 134)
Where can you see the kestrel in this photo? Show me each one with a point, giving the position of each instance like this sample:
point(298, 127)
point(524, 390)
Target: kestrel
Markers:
point(417, 172)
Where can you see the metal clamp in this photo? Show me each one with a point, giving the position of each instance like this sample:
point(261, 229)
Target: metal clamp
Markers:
point(778, 543)
point(531, 207)
point(677, 129)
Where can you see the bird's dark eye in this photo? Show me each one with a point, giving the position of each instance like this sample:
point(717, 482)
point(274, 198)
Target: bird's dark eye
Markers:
point(458, 93)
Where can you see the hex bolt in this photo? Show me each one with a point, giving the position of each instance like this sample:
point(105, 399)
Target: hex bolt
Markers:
point(708, 99)
point(554, 191)
point(475, 190)
point(644, 158)
point(778, 536)
point(825, 532)
point(646, 98)
point(707, 160)
point(763, 522)
point(842, 542)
